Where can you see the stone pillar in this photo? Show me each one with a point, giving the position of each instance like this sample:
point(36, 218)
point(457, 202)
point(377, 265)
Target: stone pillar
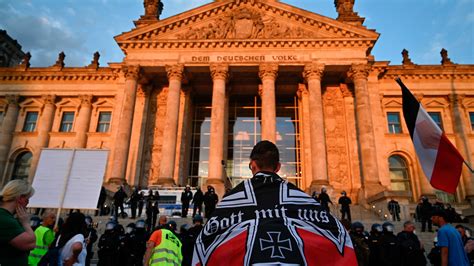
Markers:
point(45, 124)
point(462, 144)
point(220, 74)
point(313, 74)
point(83, 121)
point(7, 130)
point(268, 74)
point(170, 134)
point(365, 131)
point(124, 127)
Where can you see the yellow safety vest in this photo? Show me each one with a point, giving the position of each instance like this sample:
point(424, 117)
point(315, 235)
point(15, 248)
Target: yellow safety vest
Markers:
point(168, 252)
point(41, 247)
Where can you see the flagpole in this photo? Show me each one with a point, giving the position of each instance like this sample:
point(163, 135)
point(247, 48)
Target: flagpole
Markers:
point(468, 166)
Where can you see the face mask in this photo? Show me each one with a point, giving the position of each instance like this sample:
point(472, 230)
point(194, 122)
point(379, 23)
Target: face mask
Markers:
point(129, 230)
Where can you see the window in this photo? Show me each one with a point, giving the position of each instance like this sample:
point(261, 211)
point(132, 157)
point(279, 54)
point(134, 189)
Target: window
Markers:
point(66, 122)
point(1, 117)
point(471, 116)
point(22, 166)
point(30, 122)
point(436, 116)
point(399, 176)
point(104, 122)
point(394, 126)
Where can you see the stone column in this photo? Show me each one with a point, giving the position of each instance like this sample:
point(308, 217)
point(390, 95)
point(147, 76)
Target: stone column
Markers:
point(7, 130)
point(365, 130)
point(124, 128)
point(268, 74)
point(170, 134)
point(313, 73)
point(220, 74)
point(83, 121)
point(44, 127)
point(462, 143)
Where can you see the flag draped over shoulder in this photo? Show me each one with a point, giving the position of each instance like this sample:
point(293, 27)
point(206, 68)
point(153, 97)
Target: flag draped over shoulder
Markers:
point(268, 221)
point(440, 160)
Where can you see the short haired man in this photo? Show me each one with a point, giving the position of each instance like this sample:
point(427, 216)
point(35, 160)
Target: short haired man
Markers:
point(449, 241)
point(44, 237)
point(411, 248)
point(266, 220)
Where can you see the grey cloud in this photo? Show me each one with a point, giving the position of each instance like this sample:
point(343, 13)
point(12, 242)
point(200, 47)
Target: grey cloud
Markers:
point(43, 36)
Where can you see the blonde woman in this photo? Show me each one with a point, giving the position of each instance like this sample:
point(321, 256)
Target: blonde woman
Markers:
point(16, 236)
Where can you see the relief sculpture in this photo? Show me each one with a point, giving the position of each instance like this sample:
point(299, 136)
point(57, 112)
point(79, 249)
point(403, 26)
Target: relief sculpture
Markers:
point(336, 139)
point(245, 23)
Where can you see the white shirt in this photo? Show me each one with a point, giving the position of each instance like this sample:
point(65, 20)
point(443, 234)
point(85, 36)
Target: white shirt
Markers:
point(66, 251)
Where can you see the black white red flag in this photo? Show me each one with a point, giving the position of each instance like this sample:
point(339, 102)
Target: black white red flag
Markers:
point(268, 221)
point(440, 160)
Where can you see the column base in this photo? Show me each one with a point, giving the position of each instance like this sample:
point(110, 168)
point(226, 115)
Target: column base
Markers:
point(164, 182)
point(370, 190)
point(218, 185)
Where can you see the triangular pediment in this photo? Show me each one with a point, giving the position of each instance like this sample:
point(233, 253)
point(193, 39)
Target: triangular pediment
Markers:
point(245, 20)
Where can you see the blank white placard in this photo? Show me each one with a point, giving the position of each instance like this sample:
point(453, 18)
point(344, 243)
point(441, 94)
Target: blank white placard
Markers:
point(85, 178)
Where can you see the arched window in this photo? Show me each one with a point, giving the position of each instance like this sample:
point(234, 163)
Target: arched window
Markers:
point(399, 175)
point(22, 165)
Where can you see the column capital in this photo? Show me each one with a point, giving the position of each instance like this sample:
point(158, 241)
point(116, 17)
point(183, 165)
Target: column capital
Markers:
point(359, 71)
point(313, 71)
point(175, 71)
point(86, 99)
point(48, 98)
point(268, 71)
point(219, 71)
point(12, 99)
point(131, 71)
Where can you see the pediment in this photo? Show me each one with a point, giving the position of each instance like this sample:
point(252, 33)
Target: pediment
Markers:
point(247, 20)
point(393, 103)
point(435, 103)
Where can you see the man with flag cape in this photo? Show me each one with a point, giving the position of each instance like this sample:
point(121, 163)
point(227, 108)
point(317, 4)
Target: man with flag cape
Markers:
point(268, 221)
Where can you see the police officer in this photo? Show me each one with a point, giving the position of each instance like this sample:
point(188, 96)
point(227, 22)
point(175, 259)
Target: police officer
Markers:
point(138, 244)
point(186, 197)
point(91, 238)
point(108, 245)
point(188, 244)
point(125, 244)
point(360, 243)
point(345, 203)
point(375, 245)
point(44, 237)
point(198, 199)
point(163, 245)
point(390, 251)
point(210, 201)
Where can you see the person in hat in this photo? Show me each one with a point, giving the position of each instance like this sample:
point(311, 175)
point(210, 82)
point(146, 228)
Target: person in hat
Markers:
point(449, 241)
point(345, 201)
point(186, 197)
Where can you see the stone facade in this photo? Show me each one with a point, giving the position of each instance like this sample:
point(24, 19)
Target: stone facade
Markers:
point(10, 51)
point(218, 52)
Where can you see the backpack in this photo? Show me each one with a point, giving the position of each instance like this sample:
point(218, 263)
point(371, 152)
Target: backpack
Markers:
point(52, 256)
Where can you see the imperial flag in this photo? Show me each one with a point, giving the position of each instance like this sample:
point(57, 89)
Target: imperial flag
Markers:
point(268, 221)
point(440, 160)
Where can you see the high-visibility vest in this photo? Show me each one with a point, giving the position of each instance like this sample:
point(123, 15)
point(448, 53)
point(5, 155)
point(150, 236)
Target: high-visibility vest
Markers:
point(168, 252)
point(41, 247)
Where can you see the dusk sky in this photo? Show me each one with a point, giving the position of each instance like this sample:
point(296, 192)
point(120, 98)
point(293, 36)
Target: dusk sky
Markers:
point(81, 27)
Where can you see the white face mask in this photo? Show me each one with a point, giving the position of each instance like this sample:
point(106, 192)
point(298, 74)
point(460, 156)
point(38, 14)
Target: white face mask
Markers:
point(129, 230)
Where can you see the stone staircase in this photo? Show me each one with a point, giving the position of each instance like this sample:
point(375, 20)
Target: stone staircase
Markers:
point(359, 213)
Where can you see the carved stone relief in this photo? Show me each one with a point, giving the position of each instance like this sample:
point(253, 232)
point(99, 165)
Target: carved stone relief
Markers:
point(245, 23)
point(336, 139)
point(154, 136)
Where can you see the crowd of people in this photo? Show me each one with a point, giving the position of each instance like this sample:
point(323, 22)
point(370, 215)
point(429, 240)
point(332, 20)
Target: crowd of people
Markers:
point(143, 242)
